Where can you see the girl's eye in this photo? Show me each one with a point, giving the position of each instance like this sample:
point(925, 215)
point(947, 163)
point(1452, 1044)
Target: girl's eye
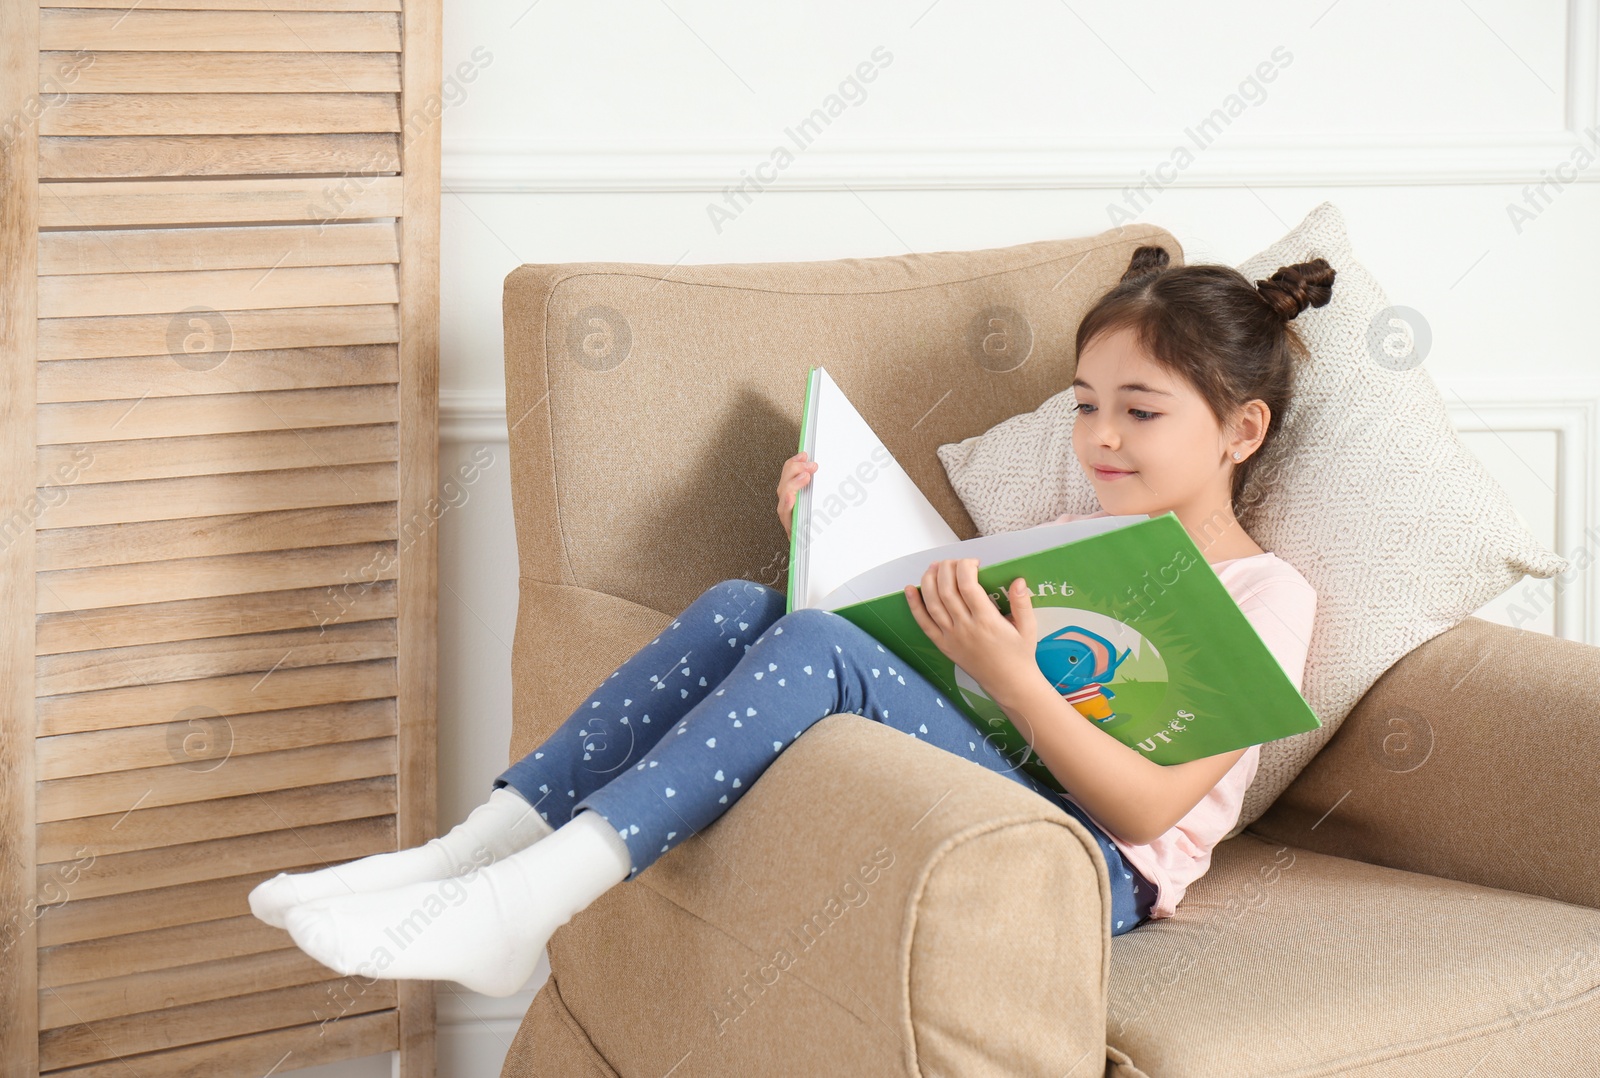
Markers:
point(1138, 413)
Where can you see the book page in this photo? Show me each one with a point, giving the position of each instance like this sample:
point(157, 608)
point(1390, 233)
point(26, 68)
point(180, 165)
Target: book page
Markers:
point(908, 569)
point(864, 509)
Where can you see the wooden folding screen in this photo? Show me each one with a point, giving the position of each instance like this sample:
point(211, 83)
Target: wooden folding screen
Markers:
point(218, 316)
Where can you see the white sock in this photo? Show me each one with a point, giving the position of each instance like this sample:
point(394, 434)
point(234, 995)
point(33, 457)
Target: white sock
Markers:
point(501, 826)
point(484, 929)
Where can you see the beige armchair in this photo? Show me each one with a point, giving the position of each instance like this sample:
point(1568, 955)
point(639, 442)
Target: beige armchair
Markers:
point(874, 906)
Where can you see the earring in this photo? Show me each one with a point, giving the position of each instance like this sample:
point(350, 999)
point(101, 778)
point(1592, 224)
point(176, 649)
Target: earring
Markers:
point(1236, 456)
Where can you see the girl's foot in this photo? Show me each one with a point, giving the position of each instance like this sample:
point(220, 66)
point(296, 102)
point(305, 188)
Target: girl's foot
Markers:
point(503, 825)
point(484, 930)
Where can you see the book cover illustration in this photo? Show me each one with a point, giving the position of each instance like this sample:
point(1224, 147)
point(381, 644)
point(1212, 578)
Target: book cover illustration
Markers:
point(1136, 632)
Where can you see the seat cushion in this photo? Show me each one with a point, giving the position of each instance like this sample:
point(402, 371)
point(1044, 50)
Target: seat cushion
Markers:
point(1285, 962)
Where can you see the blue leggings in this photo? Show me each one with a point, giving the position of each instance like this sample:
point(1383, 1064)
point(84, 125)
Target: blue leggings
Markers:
point(734, 680)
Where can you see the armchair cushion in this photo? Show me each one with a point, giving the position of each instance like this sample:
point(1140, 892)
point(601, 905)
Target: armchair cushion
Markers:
point(1284, 961)
point(1367, 490)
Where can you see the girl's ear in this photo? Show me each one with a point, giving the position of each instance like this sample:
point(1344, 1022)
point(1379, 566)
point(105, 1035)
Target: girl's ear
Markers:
point(1249, 428)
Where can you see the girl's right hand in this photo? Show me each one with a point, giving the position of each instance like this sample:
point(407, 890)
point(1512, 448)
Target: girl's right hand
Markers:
point(797, 472)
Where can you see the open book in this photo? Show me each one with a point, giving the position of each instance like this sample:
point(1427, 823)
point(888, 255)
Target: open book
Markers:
point(1135, 629)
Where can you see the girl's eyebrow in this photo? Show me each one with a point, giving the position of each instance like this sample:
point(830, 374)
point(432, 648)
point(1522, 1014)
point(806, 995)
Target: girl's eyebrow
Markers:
point(1132, 387)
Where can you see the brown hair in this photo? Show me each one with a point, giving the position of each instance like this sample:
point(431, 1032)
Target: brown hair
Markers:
point(1229, 338)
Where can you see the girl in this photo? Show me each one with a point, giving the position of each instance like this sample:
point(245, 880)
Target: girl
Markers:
point(1183, 374)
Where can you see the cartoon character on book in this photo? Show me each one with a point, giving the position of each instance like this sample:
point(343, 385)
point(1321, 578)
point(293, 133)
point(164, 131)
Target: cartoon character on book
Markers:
point(1078, 663)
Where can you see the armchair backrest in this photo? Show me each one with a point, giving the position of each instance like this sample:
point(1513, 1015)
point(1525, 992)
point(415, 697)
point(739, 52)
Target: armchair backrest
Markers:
point(650, 407)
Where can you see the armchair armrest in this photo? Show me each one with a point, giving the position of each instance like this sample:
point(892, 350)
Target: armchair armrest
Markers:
point(872, 905)
point(1472, 758)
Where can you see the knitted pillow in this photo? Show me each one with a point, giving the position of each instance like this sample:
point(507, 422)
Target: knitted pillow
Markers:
point(1366, 489)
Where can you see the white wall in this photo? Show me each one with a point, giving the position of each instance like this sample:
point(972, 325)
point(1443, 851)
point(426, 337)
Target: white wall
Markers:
point(605, 130)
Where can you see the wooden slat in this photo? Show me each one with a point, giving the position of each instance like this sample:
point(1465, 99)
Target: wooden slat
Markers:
point(270, 369)
point(206, 743)
point(64, 921)
point(107, 203)
point(259, 1053)
point(238, 290)
point(211, 454)
point(124, 156)
point(228, 817)
point(236, 695)
point(217, 72)
point(236, 5)
point(297, 488)
point(195, 660)
point(151, 787)
point(264, 854)
point(209, 339)
point(159, 948)
point(221, 114)
point(152, 250)
point(323, 1002)
point(97, 1000)
point(222, 413)
point(203, 537)
point(136, 29)
point(146, 583)
point(219, 615)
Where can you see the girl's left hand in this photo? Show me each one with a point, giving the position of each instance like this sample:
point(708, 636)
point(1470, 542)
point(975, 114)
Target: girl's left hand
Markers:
point(964, 623)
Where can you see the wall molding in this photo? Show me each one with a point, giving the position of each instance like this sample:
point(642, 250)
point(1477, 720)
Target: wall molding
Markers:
point(546, 166)
point(516, 165)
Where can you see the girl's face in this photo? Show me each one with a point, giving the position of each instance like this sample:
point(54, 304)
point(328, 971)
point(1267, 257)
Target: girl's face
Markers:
point(1147, 440)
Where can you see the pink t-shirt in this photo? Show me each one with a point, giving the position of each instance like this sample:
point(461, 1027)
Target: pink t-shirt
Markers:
point(1280, 604)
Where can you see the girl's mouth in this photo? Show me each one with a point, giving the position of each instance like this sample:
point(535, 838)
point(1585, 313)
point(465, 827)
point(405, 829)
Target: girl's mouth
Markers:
point(1106, 475)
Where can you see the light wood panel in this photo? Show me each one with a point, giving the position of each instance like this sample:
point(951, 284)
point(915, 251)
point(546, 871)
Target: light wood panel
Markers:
point(145, 250)
point(222, 413)
point(203, 743)
point(90, 157)
point(209, 495)
point(231, 289)
point(239, 694)
point(221, 615)
point(264, 854)
point(139, 377)
point(326, 1001)
point(92, 1001)
point(19, 227)
point(221, 114)
point(194, 660)
point(203, 339)
point(202, 537)
point(240, 5)
point(218, 72)
point(248, 814)
point(251, 451)
point(159, 948)
point(307, 1046)
point(219, 318)
point(149, 29)
point(186, 202)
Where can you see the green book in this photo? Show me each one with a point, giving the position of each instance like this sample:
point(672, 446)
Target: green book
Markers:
point(1134, 627)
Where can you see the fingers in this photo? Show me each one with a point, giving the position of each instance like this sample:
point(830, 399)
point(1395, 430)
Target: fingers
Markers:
point(950, 590)
point(796, 473)
point(966, 572)
point(933, 598)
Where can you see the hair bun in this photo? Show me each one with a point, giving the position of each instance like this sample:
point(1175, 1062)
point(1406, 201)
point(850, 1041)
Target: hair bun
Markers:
point(1294, 288)
point(1150, 258)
